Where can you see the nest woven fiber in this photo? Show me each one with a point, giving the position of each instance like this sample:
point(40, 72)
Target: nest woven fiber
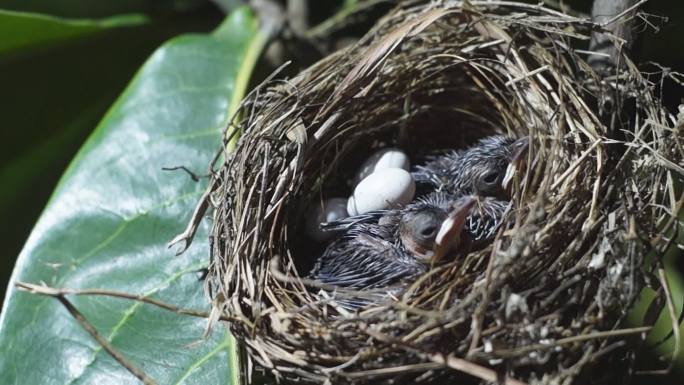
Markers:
point(546, 301)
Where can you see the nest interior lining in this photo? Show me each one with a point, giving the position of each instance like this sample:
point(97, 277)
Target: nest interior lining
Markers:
point(427, 77)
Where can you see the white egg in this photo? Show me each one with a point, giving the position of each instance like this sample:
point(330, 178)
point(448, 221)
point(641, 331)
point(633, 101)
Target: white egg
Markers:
point(382, 159)
point(383, 189)
point(331, 210)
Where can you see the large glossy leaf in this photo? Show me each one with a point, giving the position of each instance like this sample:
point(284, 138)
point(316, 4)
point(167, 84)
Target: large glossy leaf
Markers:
point(98, 8)
point(26, 30)
point(109, 219)
point(54, 92)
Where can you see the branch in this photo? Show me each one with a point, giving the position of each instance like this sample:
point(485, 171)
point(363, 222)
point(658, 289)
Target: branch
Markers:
point(611, 14)
point(298, 16)
point(60, 292)
point(449, 361)
point(134, 370)
point(185, 238)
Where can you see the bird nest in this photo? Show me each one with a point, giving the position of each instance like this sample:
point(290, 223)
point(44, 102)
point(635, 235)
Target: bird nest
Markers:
point(546, 300)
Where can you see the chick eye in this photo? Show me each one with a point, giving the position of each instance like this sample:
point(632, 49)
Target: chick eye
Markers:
point(490, 178)
point(428, 231)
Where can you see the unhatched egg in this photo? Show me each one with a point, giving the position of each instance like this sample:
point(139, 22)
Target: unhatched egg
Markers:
point(383, 189)
point(382, 159)
point(331, 210)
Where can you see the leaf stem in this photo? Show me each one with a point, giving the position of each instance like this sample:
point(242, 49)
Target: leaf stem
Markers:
point(134, 370)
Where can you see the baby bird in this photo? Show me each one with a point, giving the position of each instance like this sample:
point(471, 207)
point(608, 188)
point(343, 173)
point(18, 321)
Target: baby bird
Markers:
point(482, 221)
point(480, 169)
point(391, 247)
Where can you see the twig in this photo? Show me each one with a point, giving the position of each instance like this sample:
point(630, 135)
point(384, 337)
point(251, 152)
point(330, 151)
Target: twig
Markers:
point(505, 353)
point(104, 343)
point(393, 370)
point(527, 75)
point(478, 314)
point(623, 13)
point(449, 361)
point(473, 369)
point(608, 350)
point(60, 292)
point(188, 234)
point(193, 176)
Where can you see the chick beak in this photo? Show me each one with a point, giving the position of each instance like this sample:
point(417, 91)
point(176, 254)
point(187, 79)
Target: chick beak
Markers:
point(450, 231)
point(519, 154)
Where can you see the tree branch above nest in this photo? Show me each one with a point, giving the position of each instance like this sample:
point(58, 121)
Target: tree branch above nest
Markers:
point(615, 17)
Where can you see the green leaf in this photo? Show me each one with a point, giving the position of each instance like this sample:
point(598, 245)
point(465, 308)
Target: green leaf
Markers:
point(53, 95)
point(98, 8)
point(21, 31)
point(110, 217)
point(663, 325)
